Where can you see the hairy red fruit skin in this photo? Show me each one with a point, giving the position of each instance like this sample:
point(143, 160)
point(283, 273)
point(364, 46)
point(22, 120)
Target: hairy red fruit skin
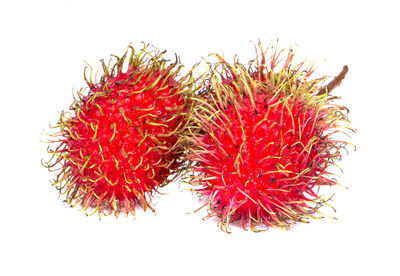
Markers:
point(121, 140)
point(262, 151)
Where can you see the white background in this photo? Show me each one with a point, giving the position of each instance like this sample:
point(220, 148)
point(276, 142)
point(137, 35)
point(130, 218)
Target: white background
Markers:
point(42, 52)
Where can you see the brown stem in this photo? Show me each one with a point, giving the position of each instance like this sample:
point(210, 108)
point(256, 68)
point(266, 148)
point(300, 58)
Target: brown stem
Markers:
point(335, 82)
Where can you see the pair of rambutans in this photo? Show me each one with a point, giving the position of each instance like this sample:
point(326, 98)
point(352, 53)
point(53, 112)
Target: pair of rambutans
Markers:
point(256, 142)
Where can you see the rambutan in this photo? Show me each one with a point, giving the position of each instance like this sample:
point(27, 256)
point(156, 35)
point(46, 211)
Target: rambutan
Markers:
point(120, 140)
point(261, 140)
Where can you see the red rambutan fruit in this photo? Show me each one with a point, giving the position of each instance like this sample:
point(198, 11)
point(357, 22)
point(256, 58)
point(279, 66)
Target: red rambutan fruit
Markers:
point(120, 140)
point(261, 140)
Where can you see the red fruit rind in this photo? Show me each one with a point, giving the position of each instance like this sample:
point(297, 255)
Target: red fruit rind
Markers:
point(261, 140)
point(121, 139)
